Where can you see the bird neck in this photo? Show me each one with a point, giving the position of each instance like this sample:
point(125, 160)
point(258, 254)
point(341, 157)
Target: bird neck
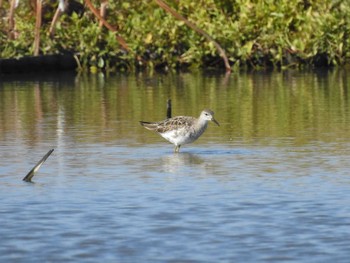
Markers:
point(201, 124)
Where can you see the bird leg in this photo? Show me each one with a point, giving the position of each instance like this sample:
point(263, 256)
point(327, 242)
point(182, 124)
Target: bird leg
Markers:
point(177, 148)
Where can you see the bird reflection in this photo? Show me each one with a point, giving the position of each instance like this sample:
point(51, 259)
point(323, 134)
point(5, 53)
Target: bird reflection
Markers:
point(176, 162)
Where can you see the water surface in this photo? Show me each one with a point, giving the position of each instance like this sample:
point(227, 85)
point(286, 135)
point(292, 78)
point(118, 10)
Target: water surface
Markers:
point(271, 184)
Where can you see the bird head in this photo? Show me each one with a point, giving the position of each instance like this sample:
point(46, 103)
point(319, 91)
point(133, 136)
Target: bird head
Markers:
point(209, 116)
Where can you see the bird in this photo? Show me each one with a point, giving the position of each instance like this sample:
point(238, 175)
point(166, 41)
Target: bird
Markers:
point(182, 130)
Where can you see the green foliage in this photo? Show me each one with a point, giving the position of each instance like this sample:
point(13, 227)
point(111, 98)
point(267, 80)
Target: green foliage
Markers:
point(257, 34)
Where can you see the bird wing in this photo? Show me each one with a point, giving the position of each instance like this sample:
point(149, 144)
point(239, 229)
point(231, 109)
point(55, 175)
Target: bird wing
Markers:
point(174, 123)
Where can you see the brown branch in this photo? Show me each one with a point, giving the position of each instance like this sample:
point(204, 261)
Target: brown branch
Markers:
point(54, 22)
point(106, 24)
point(221, 51)
point(103, 11)
point(11, 20)
point(37, 27)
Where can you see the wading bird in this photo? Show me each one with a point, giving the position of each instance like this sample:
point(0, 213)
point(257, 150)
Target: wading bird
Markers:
point(182, 130)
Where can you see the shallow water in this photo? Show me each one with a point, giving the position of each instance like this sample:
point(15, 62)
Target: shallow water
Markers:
point(271, 184)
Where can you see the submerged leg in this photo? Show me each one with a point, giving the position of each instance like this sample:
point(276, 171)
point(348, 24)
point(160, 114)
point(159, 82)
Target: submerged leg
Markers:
point(177, 148)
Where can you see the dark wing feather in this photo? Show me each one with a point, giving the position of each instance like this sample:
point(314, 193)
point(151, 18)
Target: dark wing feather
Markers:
point(149, 125)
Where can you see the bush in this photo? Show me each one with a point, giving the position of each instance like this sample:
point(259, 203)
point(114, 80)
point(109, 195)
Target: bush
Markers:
point(258, 34)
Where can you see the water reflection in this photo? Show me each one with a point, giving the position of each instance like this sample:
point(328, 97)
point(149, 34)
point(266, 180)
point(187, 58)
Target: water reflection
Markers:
point(174, 163)
point(270, 183)
point(288, 104)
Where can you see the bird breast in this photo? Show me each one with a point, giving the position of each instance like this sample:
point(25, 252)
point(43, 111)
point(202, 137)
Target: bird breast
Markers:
point(183, 135)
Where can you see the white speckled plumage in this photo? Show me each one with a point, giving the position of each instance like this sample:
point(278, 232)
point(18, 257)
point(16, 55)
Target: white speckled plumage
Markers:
point(182, 130)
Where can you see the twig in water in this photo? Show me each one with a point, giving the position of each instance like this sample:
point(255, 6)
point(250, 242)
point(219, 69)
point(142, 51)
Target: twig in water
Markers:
point(168, 109)
point(29, 176)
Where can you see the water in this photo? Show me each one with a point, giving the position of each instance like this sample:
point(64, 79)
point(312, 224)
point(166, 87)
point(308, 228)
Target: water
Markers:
point(271, 184)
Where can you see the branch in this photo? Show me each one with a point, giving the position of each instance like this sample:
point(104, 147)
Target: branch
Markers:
point(29, 176)
point(106, 24)
point(37, 28)
point(221, 51)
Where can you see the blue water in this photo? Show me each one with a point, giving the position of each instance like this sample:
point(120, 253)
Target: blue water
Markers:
point(271, 184)
point(210, 203)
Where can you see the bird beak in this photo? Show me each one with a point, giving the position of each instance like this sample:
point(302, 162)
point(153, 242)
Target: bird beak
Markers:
point(215, 121)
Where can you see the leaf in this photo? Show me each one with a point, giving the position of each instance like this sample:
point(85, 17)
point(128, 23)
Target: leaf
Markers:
point(101, 63)
point(148, 39)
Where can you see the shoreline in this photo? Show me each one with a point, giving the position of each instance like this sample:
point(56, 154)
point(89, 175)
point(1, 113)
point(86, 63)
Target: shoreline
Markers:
point(42, 63)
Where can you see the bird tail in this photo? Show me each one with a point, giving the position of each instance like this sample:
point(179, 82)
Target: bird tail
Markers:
point(149, 125)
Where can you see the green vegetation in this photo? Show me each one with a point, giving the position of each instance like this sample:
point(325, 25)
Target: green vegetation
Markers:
point(258, 34)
